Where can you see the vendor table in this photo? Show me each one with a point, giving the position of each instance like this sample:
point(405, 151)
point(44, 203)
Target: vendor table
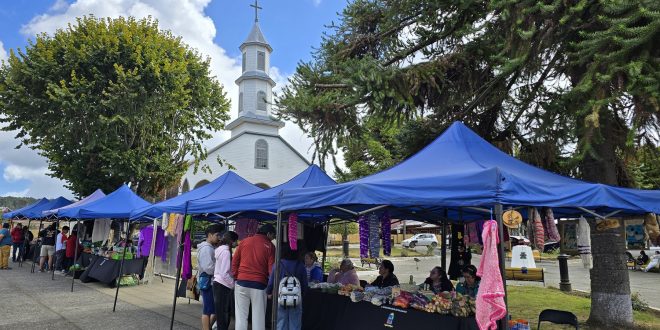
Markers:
point(106, 270)
point(334, 312)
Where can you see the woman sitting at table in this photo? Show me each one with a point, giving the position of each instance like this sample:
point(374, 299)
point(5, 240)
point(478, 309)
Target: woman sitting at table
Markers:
point(438, 281)
point(346, 274)
point(314, 271)
point(386, 277)
point(470, 286)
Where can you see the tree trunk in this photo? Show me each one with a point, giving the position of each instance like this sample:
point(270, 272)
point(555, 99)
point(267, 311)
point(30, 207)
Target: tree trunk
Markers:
point(610, 285)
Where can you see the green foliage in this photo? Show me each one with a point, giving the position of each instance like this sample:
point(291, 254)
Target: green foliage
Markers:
point(638, 304)
point(535, 78)
point(108, 101)
point(352, 228)
point(15, 203)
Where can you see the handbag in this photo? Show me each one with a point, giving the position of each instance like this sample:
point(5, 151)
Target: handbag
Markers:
point(204, 282)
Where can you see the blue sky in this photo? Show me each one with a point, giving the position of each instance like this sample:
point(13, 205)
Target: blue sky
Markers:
point(216, 28)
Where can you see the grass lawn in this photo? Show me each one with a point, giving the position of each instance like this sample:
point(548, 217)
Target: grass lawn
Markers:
point(527, 302)
point(355, 252)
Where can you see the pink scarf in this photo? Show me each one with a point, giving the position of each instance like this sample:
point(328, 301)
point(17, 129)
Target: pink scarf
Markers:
point(490, 298)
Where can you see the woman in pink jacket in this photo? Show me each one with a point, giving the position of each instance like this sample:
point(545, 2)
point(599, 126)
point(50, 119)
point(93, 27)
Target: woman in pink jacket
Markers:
point(346, 274)
point(223, 281)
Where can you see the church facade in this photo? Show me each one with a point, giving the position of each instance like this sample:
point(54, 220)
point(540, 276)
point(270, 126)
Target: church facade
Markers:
point(256, 150)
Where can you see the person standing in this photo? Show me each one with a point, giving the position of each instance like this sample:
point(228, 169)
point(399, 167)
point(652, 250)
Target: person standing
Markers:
point(206, 268)
point(60, 249)
point(251, 265)
point(314, 271)
point(289, 317)
point(223, 281)
point(5, 246)
point(18, 240)
point(71, 245)
point(48, 237)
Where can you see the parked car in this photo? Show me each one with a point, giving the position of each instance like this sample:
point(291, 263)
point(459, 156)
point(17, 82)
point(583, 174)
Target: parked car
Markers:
point(420, 240)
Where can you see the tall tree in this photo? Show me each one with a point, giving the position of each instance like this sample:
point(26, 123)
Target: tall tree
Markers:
point(571, 86)
point(108, 101)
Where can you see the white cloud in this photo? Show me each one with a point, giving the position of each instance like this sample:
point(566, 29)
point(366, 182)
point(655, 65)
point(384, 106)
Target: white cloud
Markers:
point(185, 18)
point(3, 52)
point(21, 193)
point(316, 2)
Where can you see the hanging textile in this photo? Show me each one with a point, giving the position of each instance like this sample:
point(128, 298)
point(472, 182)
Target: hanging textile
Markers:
point(386, 233)
point(471, 234)
point(458, 259)
point(101, 231)
point(165, 222)
point(314, 238)
point(551, 226)
point(652, 229)
point(246, 227)
point(584, 243)
point(480, 229)
point(293, 231)
point(178, 226)
point(186, 266)
point(171, 225)
point(490, 299)
point(374, 236)
point(145, 238)
point(539, 235)
point(364, 236)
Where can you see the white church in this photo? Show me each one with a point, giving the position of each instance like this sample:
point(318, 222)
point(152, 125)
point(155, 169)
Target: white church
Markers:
point(256, 150)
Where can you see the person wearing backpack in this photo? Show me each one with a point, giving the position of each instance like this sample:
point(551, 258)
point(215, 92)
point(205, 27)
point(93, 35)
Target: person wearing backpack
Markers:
point(205, 270)
point(223, 281)
point(293, 284)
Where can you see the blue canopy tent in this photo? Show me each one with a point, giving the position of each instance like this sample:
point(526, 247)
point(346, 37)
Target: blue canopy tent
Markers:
point(98, 194)
point(20, 212)
point(228, 185)
point(264, 202)
point(119, 204)
point(459, 172)
point(259, 205)
point(37, 212)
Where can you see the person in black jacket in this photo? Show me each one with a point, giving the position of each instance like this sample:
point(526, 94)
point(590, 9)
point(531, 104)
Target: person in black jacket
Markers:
point(438, 281)
point(386, 277)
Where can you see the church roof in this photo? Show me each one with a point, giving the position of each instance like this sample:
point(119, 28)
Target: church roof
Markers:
point(256, 37)
point(216, 148)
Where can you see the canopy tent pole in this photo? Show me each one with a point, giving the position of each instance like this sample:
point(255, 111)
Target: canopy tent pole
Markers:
point(443, 244)
point(500, 249)
point(26, 246)
point(276, 275)
point(52, 275)
point(179, 264)
point(121, 263)
point(325, 244)
point(75, 252)
point(37, 247)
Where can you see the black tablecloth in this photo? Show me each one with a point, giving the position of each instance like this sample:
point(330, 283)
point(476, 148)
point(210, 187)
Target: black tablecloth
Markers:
point(335, 312)
point(107, 270)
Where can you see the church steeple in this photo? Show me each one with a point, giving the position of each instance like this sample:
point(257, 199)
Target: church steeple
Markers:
point(255, 84)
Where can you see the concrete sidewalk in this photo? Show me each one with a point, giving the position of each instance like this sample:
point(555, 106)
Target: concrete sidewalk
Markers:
point(35, 301)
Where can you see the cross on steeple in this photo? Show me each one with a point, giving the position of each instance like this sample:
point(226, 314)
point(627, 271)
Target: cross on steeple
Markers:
point(256, 10)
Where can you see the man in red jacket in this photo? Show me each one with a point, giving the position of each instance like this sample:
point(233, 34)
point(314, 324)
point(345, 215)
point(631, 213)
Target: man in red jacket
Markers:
point(17, 239)
point(251, 265)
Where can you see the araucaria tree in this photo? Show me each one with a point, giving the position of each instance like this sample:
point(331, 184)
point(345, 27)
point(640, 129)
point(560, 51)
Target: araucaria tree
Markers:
point(108, 101)
point(571, 86)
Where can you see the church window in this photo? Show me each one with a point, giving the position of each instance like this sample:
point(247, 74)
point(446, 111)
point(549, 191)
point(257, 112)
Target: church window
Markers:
point(261, 101)
point(240, 102)
point(244, 60)
point(261, 154)
point(261, 61)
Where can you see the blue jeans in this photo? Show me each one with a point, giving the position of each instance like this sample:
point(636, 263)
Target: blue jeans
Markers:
point(18, 247)
point(289, 318)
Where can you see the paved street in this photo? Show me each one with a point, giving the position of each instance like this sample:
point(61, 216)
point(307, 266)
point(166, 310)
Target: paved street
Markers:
point(34, 301)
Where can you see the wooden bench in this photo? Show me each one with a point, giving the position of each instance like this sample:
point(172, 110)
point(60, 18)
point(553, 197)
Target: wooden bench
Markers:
point(370, 261)
point(531, 274)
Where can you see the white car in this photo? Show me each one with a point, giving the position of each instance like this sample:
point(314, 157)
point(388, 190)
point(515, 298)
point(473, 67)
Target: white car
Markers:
point(420, 240)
